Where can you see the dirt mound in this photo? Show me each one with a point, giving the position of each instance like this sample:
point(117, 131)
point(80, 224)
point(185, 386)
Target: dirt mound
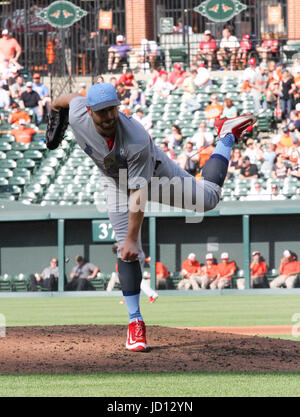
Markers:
point(91, 348)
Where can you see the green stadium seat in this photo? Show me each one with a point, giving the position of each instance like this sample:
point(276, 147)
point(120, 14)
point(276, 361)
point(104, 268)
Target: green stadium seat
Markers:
point(8, 163)
point(14, 155)
point(38, 146)
point(6, 173)
point(33, 154)
point(20, 282)
point(6, 282)
point(26, 163)
point(3, 181)
point(7, 138)
point(20, 181)
point(5, 146)
point(15, 190)
point(22, 172)
point(178, 54)
point(19, 146)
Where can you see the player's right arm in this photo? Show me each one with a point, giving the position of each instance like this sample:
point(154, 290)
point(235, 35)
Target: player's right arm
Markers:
point(63, 101)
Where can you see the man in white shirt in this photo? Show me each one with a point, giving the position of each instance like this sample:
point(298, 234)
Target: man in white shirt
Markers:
point(228, 49)
point(257, 193)
point(4, 98)
point(253, 76)
point(144, 120)
point(275, 195)
point(202, 137)
point(203, 77)
point(162, 87)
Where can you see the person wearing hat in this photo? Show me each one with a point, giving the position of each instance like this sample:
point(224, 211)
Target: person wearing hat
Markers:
point(206, 50)
point(248, 170)
point(258, 269)
point(162, 275)
point(17, 114)
point(190, 273)
point(208, 271)
point(10, 49)
point(23, 134)
point(42, 91)
point(81, 275)
point(131, 168)
point(256, 80)
point(31, 99)
point(162, 87)
point(127, 79)
point(225, 271)
point(177, 76)
point(117, 53)
point(243, 52)
point(288, 270)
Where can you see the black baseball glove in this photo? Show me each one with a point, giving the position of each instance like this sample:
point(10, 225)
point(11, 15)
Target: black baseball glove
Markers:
point(58, 122)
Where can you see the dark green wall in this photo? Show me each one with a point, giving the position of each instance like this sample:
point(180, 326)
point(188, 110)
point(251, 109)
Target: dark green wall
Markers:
point(28, 246)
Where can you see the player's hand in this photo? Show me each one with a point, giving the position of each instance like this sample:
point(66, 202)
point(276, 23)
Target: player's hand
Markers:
point(129, 250)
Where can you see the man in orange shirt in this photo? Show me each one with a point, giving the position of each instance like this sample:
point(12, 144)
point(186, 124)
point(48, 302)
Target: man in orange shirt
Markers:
point(9, 48)
point(214, 110)
point(23, 134)
point(258, 269)
point(289, 269)
point(16, 115)
point(190, 272)
point(162, 274)
point(225, 271)
point(208, 271)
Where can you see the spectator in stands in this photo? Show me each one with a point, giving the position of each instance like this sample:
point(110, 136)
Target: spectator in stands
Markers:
point(248, 170)
point(257, 193)
point(229, 109)
point(244, 49)
point(137, 98)
point(287, 88)
point(269, 48)
point(117, 53)
point(180, 28)
point(206, 50)
point(8, 71)
point(4, 98)
point(81, 275)
point(203, 154)
point(10, 48)
point(177, 76)
point(203, 78)
point(100, 79)
point(226, 270)
point(272, 94)
point(254, 152)
point(258, 269)
point(43, 91)
point(256, 82)
point(185, 159)
point(228, 49)
point(288, 271)
point(162, 275)
point(285, 142)
point(190, 273)
point(123, 94)
point(31, 99)
point(268, 160)
point(174, 138)
point(153, 78)
point(202, 137)
point(214, 110)
point(296, 90)
point(169, 152)
point(17, 114)
point(209, 271)
point(23, 134)
point(275, 195)
point(82, 89)
point(275, 71)
point(47, 279)
point(294, 169)
point(17, 88)
point(235, 163)
point(162, 87)
point(128, 80)
point(112, 81)
point(147, 56)
point(189, 95)
point(280, 168)
point(145, 121)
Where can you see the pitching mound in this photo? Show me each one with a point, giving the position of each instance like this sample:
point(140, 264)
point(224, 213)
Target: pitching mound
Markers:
point(90, 348)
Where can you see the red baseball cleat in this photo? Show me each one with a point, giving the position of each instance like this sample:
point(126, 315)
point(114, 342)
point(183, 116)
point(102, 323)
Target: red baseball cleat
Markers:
point(136, 336)
point(152, 299)
point(236, 125)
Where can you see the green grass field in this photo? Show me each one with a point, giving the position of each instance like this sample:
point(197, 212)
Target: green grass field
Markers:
point(229, 310)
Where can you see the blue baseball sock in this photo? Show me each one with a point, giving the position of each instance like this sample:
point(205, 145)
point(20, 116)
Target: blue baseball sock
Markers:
point(224, 146)
point(133, 307)
point(215, 168)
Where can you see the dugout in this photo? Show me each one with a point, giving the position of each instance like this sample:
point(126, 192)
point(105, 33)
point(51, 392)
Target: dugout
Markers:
point(31, 235)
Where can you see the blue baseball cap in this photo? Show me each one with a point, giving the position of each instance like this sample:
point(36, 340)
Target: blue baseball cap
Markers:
point(102, 95)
